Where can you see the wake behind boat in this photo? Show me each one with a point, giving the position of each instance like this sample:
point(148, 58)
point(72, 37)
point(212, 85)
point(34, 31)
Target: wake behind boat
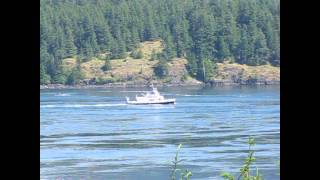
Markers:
point(151, 97)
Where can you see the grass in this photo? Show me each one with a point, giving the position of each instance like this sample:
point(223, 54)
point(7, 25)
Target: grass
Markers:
point(69, 63)
point(139, 69)
point(148, 47)
point(143, 69)
point(121, 68)
point(227, 70)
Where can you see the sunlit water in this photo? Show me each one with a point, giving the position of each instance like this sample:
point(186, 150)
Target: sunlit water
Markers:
point(93, 134)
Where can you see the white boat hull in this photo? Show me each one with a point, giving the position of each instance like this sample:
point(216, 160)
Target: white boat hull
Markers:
point(166, 101)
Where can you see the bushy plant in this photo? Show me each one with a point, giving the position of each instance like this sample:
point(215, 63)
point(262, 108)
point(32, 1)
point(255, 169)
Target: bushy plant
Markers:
point(59, 78)
point(137, 54)
point(75, 76)
point(107, 66)
point(161, 69)
point(245, 169)
point(184, 77)
point(252, 80)
point(154, 55)
point(185, 174)
point(192, 65)
point(101, 81)
point(44, 77)
point(207, 70)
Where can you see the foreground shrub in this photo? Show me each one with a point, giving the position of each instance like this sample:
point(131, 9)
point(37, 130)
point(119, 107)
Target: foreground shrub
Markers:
point(185, 174)
point(245, 170)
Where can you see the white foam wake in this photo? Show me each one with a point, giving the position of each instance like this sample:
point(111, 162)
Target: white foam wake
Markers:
point(79, 105)
point(134, 91)
point(62, 94)
point(187, 95)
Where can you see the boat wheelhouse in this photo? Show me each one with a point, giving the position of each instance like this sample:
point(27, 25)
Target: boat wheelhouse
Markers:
point(150, 97)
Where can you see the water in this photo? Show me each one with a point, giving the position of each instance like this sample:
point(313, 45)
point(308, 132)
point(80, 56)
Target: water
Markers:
point(93, 134)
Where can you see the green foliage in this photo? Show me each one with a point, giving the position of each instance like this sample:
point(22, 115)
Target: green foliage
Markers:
point(154, 55)
point(227, 176)
point(59, 78)
point(44, 77)
point(101, 81)
point(184, 77)
point(246, 31)
point(175, 163)
point(161, 69)
point(222, 49)
point(206, 70)
point(169, 50)
point(75, 76)
point(107, 66)
point(192, 65)
point(185, 174)
point(137, 54)
point(245, 169)
point(118, 51)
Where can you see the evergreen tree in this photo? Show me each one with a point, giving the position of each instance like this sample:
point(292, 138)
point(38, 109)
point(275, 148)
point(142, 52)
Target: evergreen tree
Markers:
point(71, 49)
point(168, 52)
point(59, 77)
point(44, 77)
point(75, 75)
point(247, 31)
point(262, 51)
point(104, 37)
point(222, 49)
point(118, 50)
point(161, 69)
point(107, 65)
point(192, 66)
point(206, 70)
point(150, 31)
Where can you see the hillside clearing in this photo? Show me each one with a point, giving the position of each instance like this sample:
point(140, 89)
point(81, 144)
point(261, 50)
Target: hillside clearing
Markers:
point(140, 71)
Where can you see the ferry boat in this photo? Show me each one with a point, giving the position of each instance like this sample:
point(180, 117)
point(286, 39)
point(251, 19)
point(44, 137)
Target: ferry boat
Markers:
point(150, 97)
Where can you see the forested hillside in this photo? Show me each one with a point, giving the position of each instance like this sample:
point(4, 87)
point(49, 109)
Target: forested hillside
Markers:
point(204, 32)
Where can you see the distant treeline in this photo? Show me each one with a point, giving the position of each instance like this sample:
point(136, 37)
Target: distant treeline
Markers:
point(242, 31)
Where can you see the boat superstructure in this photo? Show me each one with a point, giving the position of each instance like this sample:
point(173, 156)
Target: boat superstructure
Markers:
point(151, 97)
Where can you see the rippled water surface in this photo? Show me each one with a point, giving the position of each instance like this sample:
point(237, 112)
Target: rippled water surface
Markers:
point(93, 134)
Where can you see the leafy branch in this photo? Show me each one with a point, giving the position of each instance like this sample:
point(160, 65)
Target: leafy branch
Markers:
point(185, 174)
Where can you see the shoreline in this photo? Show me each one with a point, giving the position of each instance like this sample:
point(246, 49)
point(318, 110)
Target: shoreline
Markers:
point(126, 85)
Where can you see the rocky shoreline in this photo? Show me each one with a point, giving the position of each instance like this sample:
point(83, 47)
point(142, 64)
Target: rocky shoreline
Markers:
point(133, 85)
point(243, 82)
point(111, 85)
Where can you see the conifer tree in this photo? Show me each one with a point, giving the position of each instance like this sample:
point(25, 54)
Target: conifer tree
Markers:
point(71, 49)
point(246, 31)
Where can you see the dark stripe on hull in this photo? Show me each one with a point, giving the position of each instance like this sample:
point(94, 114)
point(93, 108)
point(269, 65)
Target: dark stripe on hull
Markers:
point(170, 102)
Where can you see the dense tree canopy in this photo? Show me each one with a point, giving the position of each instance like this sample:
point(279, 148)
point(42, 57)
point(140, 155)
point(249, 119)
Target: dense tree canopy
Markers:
point(243, 31)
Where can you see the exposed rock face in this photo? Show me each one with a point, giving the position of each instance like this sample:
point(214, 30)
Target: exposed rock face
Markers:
point(236, 74)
